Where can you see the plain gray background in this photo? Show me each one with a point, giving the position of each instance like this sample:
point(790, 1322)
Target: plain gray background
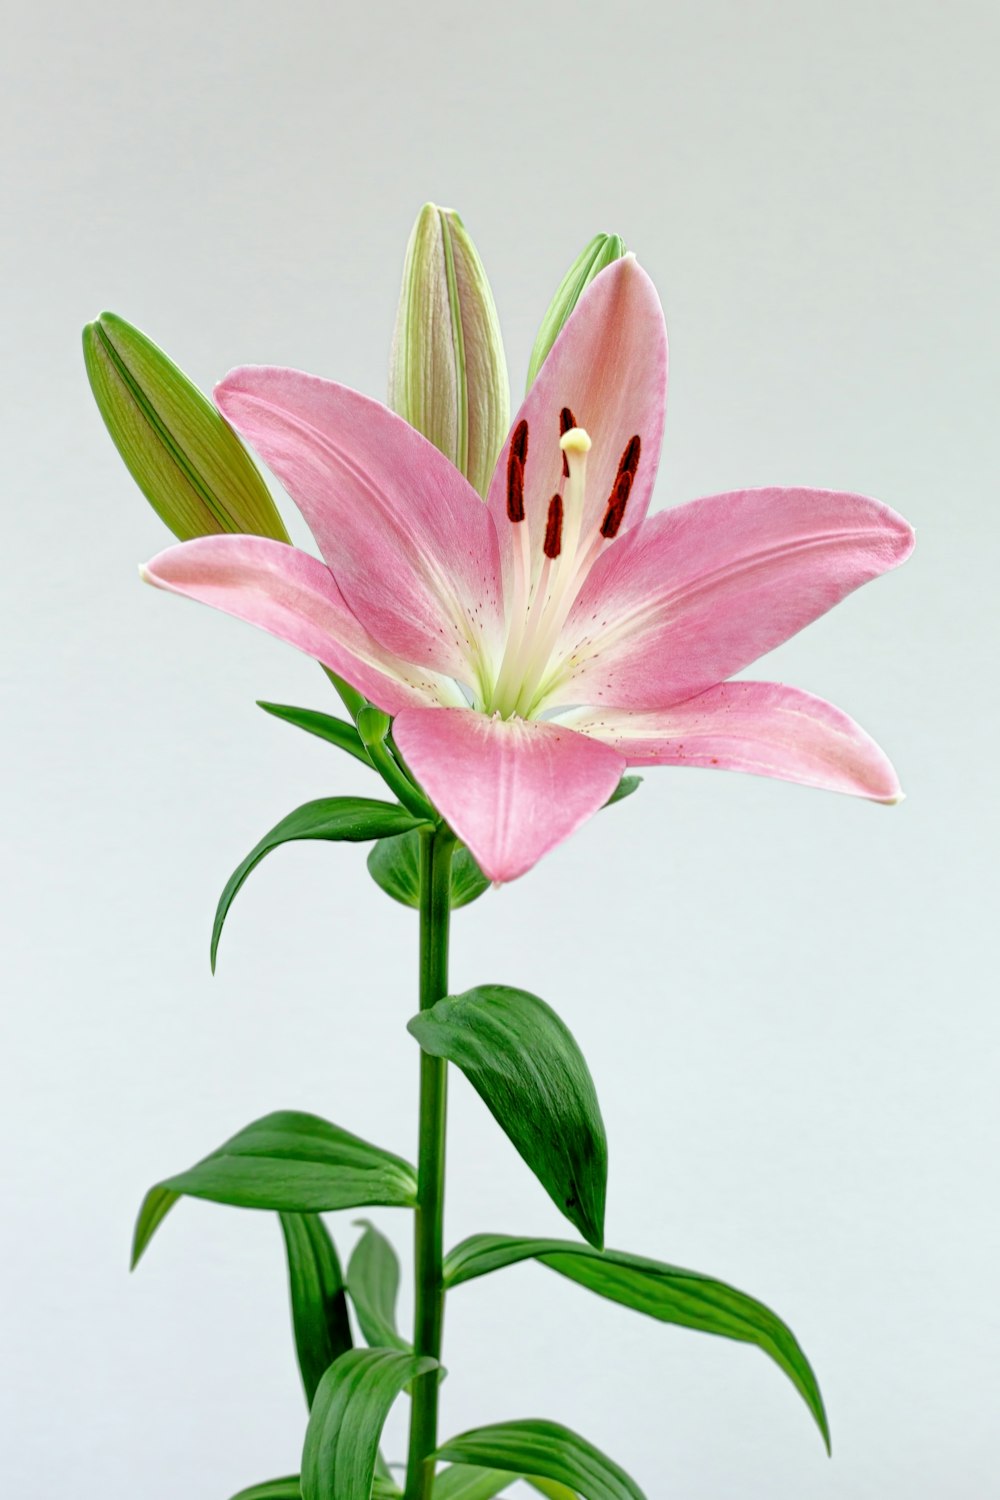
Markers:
point(787, 998)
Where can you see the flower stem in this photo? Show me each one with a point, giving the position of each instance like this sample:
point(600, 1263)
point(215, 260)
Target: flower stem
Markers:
point(436, 846)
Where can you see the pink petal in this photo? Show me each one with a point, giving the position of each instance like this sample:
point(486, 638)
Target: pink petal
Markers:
point(763, 728)
point(510, 788)
point(609, 366)
point(409, 541)
point(701, 591)
point(293, 596)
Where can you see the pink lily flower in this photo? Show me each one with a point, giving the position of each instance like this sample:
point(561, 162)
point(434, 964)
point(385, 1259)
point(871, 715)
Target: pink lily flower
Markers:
point(532, 647)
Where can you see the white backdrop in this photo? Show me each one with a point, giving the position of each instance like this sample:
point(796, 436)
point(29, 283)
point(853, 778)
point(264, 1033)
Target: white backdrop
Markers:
point(787, 998)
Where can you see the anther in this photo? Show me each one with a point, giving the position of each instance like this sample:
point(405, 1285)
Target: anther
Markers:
point(516, 456)
point(618, 499)
point(552, 545)
point(567, 421)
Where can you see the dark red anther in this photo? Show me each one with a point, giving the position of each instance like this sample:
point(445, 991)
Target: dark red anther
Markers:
point(567, 422)
point(553, 528)
point(615, 513)
point(618, 499)
point(516, 456)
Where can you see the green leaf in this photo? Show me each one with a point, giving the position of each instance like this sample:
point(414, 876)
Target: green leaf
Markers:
point(394, 864)
point(463, 1482)
point(665, 1292)
point(320, 1319)
point(548, 1450)
point(324, 726)
point(594, 258)
point(348, 1414)
point(273, 1489)
point(373, 1285)
point(625, 788)
point(523, 1062)
point(551, 1488)
point(184, 457)
point(291, 1163)
point(354, 819)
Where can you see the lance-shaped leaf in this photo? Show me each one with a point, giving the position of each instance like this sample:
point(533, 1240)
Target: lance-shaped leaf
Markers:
point(665, 1292)
point(348, 1414)
point(273, 1489)
point(320, 1319)
point(625, 788)
point(465, 1482)
point(594, 258)
point(335, 731)
point(184, 457)
point(373, 1284)
point(448, 373)
point(394, 864)
point(353, 819)
point(523, 1062)
point(549, 1450)
point(288, 1162)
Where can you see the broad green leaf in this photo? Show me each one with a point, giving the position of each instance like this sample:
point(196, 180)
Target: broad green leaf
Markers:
point(291, 1163)
point(320, 1319)
point(273, 1489)
point(348, 1414)
point(594, 258)
point(373, 1285)
point(625, 788)
point(462, 1482)
point(394, 864)
point(548, 1450)
point(354, 819)
point(522, 1060)
point(666, 1292)
point(324, 726)
point(184, 457)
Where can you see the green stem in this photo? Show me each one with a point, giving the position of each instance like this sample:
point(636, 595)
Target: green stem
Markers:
point(436, 846)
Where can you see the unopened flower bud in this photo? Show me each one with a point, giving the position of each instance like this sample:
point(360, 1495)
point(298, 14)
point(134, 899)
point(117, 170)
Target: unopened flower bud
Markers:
point(447, 372)
point(373, 725)
point(602, 251)
point(184, 457)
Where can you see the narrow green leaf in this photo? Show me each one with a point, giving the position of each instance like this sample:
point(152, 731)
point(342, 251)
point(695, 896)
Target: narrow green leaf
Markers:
point(348, 1414)
point(665, 1292)
point(289, 1162)
point(273, 1489)
point(463, 1482)
point(353, 819)
point(394, 864)
point(184, 457)
point(335, 731)
point(551, 1488)
point(320, 1319)
point(373, 1285)
point(602, 250)
point(548, 1450)
point(625, 788)
point(523, 1062)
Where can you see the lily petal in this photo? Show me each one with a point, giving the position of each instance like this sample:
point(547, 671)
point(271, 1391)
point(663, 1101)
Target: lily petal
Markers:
point(291, 595)
point(763, 728)
point(511, 788)
point(410, 543)
point(609, 367)
point(703, 590)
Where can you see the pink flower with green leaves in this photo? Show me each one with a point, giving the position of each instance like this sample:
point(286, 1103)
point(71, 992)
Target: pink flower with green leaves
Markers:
point(531, 647)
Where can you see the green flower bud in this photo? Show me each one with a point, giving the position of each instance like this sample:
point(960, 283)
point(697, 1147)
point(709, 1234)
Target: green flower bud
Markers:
point(373, 725)
point(447, 372)
point(184, 457)
point(603, 251)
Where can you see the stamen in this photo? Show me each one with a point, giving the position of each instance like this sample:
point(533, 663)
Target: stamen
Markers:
point(567, 422)
point(553, 528)
point(516, 457)
point(618, 499)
